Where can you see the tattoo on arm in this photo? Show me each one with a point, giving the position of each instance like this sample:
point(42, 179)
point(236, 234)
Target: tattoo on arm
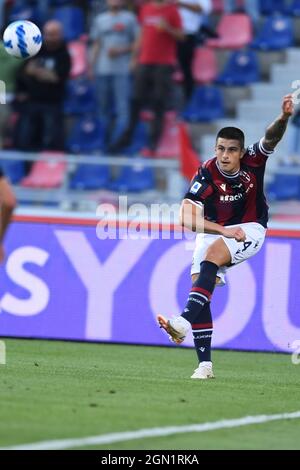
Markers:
point(274, 133)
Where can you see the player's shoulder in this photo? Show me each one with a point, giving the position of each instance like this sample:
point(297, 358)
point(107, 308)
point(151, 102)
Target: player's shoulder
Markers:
point(256, 154)
point(209, 165)
point(252, 149)
point(208, 169)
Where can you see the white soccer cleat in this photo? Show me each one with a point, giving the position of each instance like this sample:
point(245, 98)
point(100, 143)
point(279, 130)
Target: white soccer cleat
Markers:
point(177, 328)
point(204, 371)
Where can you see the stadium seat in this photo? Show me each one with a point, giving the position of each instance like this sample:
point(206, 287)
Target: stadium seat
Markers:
point(46, 174)
point(88, 177)
point(134, 178)
point(139, 140)
point(73, 20)
point(276, 34)
point(293, 8)
point(78, 53)
point(87, 135)
point(168, 145)
point(242, 68)
point(204, 65)
point(14, 170)
point(268, 7)
point(80, 97)
point(205, 105)
point(284, 187)
point(24, 12)
point(59, 3)
point(234, 31)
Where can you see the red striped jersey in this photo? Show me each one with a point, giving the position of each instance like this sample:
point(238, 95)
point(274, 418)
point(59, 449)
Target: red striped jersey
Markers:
point(233, 199)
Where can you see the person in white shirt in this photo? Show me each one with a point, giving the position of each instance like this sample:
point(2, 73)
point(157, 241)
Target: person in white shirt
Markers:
point(193, 14)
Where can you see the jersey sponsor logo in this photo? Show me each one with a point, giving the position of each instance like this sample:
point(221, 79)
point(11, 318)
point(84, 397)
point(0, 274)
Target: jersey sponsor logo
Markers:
point(195, 188)
point(223, 187)
point(231, 198)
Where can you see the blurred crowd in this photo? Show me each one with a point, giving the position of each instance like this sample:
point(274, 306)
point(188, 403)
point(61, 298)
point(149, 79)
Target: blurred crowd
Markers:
point(126, 50)
point(133, 48)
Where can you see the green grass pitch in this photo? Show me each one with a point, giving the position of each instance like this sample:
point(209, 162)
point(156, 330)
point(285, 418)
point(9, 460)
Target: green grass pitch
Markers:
point(58, 390)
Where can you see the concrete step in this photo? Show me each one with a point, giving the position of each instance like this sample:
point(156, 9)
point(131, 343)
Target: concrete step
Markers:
point(258, 110)
point(284, 76)
point(268, 91)
point(293, 55)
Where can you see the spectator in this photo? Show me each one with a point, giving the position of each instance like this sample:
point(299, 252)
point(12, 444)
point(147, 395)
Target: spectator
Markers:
point(114, 33)
point(154, 60)
point(2, 13)
point(8, 72)
point(193, 16)
point(40, 93)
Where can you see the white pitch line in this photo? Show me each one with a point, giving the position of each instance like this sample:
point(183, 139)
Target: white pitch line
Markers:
point(152, 432)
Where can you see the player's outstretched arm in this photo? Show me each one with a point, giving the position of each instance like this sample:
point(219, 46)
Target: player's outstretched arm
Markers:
point(275, 131)
point(191, 217)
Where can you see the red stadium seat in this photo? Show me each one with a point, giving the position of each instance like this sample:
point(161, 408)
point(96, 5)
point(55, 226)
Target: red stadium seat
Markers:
point(78, 52)
point(234, 30)
point(204, 65)
point(46, 174)
point(169, 145)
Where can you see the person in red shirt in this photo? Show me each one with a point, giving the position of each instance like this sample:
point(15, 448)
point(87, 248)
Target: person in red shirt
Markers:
point(226, 206)
point(153, 60)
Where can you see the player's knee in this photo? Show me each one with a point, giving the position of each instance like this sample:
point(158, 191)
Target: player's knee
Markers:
point(212, 255)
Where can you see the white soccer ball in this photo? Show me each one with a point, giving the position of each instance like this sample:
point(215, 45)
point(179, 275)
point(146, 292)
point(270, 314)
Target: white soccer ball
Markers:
point(22, 39)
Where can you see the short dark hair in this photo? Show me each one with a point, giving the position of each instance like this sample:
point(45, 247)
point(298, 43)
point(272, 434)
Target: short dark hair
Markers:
point(232, 133)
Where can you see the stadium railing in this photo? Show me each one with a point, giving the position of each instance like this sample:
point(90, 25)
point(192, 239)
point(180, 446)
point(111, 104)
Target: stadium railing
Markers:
point(170, 183)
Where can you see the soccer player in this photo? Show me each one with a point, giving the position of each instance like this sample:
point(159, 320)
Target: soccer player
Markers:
point(7, 206)
point(229, 187)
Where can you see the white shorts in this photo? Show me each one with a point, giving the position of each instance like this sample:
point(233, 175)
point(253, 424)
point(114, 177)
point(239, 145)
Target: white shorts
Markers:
point(239, 251)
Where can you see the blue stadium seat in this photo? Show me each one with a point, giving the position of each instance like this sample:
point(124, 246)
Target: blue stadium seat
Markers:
point(276, 34)
point(25, 11)
point(242, 68)
point(80, 97)
point(268, 7)
point(136, 178)
point(87, 135)
point(284, 187)
point(59, 3)
point(14, 170)
point(90, 177)
point(294, 8)
point(206, 104)
point(72, 19)
point(139, 140)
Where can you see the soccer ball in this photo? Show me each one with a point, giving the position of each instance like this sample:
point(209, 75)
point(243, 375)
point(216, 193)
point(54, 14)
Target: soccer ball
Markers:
point(22, 39)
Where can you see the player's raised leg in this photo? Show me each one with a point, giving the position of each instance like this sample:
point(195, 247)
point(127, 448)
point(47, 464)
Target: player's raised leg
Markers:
point(197, 313)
